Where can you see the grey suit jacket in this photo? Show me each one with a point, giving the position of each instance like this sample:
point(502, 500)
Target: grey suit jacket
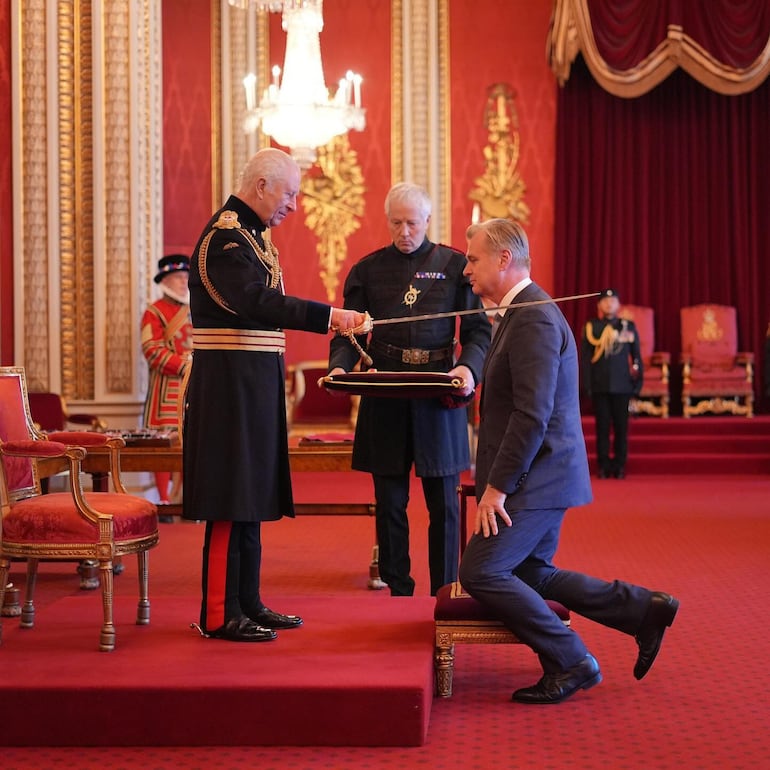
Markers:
point(531, 443)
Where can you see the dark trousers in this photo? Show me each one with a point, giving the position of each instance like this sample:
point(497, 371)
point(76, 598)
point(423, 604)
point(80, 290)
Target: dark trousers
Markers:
point(392, 496)
point(232, 558)
point(512, 573)
point(611, 411)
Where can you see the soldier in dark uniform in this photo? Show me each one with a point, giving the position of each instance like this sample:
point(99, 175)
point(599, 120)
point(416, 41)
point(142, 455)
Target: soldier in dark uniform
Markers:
point(413, 276)
point(611, 373)
point(236, 456)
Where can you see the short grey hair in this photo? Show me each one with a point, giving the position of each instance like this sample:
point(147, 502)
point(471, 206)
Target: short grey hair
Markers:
point(504, 234)
point(409, 193)
point(270, 164)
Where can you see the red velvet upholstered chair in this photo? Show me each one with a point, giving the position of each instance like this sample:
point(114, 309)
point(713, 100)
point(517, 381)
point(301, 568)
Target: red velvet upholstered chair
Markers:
point(311, 409)
point(69, 525)
point(715, 376)
point(654, 396)
point(460, 619)
point(49, 412)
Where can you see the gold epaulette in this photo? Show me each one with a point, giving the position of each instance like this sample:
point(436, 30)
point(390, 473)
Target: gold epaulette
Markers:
point(228, 220)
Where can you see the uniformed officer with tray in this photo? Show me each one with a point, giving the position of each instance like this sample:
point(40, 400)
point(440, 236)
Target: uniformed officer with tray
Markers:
point(413, 276)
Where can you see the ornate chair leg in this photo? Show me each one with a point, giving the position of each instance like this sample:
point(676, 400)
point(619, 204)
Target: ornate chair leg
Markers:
point(444, 661)
point(143, 610)
point(107, 637)
point(28, 610)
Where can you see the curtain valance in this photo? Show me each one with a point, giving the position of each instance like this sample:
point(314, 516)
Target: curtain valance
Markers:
point(630, 46)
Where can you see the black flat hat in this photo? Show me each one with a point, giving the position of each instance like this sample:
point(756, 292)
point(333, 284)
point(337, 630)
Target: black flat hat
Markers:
point(172, 263)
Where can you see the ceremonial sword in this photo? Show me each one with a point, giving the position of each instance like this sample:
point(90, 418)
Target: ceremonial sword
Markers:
point(367, 325)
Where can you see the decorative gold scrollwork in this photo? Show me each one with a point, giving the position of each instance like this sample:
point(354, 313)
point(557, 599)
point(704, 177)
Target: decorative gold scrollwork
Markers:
point(333, 199)
point(499, 192)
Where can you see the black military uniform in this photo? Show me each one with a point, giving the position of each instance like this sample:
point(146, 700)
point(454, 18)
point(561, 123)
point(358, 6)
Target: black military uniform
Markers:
point(236, 455)
point(611, 373)
point(392, 434)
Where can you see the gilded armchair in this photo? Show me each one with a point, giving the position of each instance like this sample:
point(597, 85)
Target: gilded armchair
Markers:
point(70, 525)
point(653, 399)
point(716, 377)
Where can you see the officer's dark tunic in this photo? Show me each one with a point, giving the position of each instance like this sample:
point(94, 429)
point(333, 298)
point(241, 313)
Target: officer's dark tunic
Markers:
point(236, 457)
point(389, 430)
point(609, 382)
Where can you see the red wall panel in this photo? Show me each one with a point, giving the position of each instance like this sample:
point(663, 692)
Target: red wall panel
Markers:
point(504, 41)
point(187, 179)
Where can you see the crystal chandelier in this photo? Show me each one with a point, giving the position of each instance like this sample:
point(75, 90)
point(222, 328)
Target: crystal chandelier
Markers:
point(296, 110)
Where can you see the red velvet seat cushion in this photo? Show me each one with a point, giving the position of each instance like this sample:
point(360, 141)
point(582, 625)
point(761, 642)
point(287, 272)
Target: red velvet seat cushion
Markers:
point(452, 603)
point(731, 377)
point(654, 387)
point(53, 518)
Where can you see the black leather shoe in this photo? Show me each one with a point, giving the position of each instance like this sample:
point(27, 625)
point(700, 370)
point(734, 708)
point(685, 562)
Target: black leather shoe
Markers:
point(243, 630)
point(660, 615)
point(269, 619)
point(620, 473)
point(554, 688)
point(603, 474)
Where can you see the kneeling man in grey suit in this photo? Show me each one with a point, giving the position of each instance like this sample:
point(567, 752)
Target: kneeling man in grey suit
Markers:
point(531, 465)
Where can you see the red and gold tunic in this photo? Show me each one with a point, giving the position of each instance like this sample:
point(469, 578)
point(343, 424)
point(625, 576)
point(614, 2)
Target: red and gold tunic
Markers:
point(166, 344)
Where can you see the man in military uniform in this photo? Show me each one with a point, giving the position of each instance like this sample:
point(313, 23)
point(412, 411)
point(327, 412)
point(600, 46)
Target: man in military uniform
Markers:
point(413, 276)
point(611, 373)
point(236, 455)
point(167, 345)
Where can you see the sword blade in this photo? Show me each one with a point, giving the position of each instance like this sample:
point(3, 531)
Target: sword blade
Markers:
point(452, 313)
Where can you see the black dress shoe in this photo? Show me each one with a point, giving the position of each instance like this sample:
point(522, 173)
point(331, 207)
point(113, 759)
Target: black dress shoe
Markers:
point(243, 629)
point(660, 615)
point(620, 473)
point(269, 619)
point(603, 474)
point(554, 688)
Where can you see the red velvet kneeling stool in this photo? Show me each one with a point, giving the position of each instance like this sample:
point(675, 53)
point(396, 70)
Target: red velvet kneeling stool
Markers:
point(461, 619)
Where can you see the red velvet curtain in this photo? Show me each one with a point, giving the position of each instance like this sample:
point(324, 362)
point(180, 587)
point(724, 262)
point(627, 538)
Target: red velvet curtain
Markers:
point(665, 198)
point(733, 31)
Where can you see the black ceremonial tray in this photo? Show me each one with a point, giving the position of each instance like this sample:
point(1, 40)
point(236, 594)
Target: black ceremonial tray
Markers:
point(396, 384)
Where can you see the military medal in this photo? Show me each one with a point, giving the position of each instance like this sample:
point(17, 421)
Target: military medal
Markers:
point(411, 296)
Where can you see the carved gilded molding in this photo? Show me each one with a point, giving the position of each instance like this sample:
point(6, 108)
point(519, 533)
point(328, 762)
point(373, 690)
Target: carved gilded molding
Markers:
point(499, 191)
point(420, 125)
point(118, 208)
point(333, 200)
point(247, 50)
point(396, 92)
point(571, 33)
point(444, 126)
point(33, 263)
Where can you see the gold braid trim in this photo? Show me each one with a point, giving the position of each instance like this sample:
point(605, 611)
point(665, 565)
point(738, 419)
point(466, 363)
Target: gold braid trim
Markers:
point(607, 345)
point(228, 220)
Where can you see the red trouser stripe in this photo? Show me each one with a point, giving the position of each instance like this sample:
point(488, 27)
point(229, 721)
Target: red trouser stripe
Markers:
point(216, 581)
point(162, 480)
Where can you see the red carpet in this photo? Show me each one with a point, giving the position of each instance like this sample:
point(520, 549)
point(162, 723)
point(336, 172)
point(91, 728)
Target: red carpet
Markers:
point(361, 666)
point(704, 704)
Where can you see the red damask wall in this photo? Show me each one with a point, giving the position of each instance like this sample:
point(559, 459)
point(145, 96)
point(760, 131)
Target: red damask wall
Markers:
point(504, 41)
point(187, 177)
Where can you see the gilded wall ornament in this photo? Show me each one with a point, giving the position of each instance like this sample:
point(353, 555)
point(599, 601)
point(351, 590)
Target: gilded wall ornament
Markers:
point(333, 200)
point(499, 192)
